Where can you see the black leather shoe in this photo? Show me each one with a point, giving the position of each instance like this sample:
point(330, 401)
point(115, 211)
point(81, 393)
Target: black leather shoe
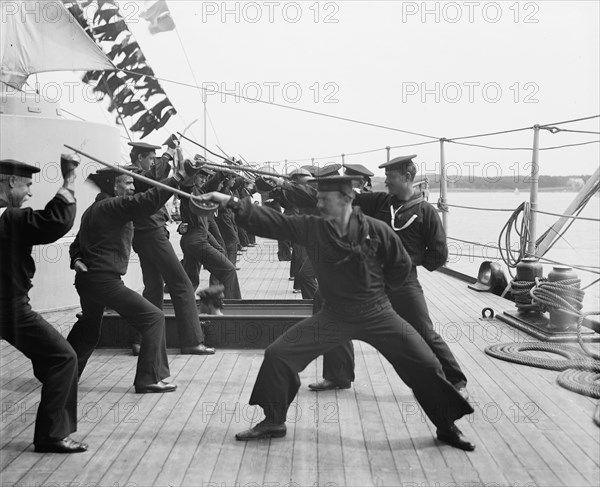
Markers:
point(66, 445)
point(264, 429)
point(159, 387)
point(198, 350)
point(135, 349)
point(454, 437)
point(329, 385)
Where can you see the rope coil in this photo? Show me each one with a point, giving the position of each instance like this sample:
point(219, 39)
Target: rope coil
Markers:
point(521, 291)
point(581, 381)
point(573, 357)
point(564, 295)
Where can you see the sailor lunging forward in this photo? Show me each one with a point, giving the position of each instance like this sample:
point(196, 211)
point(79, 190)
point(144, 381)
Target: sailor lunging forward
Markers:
point(355, 258)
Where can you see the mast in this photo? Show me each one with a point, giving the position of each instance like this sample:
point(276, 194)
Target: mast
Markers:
point(533, 193)
point(443, 186)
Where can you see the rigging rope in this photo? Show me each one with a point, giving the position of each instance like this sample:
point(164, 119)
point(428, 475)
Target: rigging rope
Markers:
point(576, 217)
point(451, 139)
point(527, 148)
point(570, 121)
point(480, 208)
point(281, 105)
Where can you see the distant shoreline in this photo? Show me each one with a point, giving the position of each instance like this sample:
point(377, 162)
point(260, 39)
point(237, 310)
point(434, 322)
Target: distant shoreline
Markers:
point(501, 190)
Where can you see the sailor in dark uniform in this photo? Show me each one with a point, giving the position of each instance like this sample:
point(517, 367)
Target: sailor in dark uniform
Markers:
point(237, 190)
point(271, 199)
point(54, 360)
point(355, 258)
point(417, 224)
point(300, 199)
point(159, 262)
point(199, 247)
point(100, 255)
point(364, 183)
point(226, 220)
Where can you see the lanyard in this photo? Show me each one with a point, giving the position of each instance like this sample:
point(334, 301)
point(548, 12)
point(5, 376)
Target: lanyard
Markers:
point(393, 214)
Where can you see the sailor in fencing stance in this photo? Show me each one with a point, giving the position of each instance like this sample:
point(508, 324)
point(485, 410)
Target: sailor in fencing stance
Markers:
point(355, 258)
point(54, 361)
point(417, 224)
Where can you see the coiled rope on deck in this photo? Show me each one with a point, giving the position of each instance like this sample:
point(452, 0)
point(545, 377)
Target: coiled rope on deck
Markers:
point(580, 367)
point(584, 382)
point(573, 357)
point(580, 373)
point(564, 295)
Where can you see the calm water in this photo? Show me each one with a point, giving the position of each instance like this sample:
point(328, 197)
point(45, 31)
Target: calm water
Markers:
point(579, 246)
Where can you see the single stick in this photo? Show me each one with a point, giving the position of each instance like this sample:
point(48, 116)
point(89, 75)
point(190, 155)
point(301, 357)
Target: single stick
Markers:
point(146, 180)
point(201, 146)
point(238, 168)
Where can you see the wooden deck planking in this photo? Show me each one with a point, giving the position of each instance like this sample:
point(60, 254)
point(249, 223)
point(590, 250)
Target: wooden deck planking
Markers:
point(525, 388)
point(211, 432)
point(232, 410)
point(94, 405)
point(543, 434)
point(153, 459)
point(377, 444)
point(305, 461)
point(357, 466)
point(185, 428)
point(253, 466)
point(156, 409)
point(512, 402)
point(395, 401)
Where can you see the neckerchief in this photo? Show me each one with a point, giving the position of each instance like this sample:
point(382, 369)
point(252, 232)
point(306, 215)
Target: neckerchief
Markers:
point(356, 245)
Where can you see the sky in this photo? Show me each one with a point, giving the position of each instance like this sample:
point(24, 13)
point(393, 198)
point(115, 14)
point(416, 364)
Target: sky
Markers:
point(436, 69)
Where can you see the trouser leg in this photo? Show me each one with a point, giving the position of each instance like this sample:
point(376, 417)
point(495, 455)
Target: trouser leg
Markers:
point(338, 363)
point(230, 238)
point(243, 237)
point(85, 333)
point(307, 280)
point(54, 364)
point(284, 250)
point(168, 267)
point(410, 304)
point(151, 276)
point(152, 364)
point(215, 262)
point(214, 241)
point(214, 230)
point(223, 270)
point(278, 380)
point(416, 365)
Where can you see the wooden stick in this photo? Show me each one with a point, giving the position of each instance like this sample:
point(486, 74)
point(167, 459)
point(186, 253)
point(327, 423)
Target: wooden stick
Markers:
point(241, 168)
point(139, 177)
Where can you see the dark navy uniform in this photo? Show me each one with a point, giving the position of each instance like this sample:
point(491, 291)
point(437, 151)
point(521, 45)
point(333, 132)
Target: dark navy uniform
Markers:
point(227, 226)
point(104, 245)
point(353, 273)
point(160, 265)
point(200, 248)
point(54, 360)
point(300, 199)
point(419, 227)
